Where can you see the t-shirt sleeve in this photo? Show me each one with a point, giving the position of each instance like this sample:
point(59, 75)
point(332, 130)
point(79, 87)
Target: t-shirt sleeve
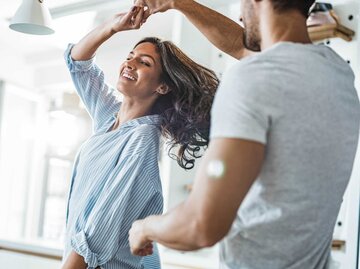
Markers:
point(239, 109)
point(98, 97)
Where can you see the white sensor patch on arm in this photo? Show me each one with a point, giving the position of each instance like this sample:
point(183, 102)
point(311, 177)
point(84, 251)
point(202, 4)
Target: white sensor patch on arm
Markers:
point(215, 169)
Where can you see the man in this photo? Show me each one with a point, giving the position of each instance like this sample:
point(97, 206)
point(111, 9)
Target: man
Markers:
point(285, 127)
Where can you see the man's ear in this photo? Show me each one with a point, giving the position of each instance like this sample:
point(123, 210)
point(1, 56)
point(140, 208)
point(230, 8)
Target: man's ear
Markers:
point(163, 89)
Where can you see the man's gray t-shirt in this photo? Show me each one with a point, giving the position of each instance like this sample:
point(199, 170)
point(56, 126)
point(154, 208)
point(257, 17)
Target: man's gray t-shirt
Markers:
point(300, 102)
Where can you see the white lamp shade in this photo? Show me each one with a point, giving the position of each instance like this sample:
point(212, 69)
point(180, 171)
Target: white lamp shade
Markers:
point(32, 17)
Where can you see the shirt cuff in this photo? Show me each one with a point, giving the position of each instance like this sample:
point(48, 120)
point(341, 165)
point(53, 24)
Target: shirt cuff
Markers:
point(80, 246)
point(75, 66)
point(244, 133)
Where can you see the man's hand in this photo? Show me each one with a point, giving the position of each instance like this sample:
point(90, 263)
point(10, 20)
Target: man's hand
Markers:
point(139, 245)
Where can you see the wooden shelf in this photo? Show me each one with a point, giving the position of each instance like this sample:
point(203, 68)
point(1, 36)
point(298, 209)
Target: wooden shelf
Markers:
point(338, 244)
point(325, 31)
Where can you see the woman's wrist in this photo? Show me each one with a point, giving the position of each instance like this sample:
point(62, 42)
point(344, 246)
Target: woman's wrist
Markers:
point(110, 27)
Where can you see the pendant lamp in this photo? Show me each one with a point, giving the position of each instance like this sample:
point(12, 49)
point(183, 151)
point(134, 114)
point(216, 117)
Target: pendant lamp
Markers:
point(32, 17)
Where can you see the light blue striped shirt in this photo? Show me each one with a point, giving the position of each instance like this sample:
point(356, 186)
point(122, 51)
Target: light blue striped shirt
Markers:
point(115, 179)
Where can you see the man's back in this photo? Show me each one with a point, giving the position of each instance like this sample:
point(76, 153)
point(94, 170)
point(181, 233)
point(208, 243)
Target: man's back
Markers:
point(300, 101)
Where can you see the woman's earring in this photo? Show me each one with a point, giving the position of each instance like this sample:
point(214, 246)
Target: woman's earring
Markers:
point(164, 89)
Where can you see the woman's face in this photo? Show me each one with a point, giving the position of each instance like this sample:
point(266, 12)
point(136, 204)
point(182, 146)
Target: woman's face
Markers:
point(140, 73)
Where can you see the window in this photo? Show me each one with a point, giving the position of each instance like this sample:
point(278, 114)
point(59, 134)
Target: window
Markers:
point(39, 138)
point(18, 124)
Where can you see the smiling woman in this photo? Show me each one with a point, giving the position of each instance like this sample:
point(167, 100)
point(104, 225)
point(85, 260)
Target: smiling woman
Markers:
point(187, 91)
point(116, 178)
point(140, 73)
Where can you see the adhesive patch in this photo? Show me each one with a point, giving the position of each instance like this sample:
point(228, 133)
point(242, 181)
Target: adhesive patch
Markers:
point(215, 169)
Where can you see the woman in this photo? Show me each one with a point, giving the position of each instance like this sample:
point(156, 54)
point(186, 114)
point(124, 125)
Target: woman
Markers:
point(116, 176)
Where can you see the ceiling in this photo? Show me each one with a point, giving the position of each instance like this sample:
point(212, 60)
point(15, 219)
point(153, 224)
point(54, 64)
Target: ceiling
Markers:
point(75, 6)
point(8, 8)
point(62, 22)
point(63, 7)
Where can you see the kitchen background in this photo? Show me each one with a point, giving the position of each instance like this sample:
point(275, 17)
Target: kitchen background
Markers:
point(42, 123)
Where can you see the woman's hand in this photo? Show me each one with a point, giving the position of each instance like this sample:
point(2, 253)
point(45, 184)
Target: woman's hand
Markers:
point(154, 6)
point(130, 20)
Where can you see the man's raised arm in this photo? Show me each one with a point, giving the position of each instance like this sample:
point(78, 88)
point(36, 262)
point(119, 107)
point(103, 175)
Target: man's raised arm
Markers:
point(221, 31)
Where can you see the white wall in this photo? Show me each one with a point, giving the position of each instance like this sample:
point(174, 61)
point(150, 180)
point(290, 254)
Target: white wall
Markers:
point(349, 212)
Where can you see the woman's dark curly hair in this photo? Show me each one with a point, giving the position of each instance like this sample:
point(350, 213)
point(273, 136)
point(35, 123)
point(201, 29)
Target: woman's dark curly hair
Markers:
point(185, 110)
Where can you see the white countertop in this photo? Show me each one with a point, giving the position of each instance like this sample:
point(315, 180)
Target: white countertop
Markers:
point(32, 246)
point(206, 258)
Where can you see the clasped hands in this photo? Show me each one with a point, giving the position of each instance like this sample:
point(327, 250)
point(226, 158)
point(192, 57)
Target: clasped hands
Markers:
point(139, 13)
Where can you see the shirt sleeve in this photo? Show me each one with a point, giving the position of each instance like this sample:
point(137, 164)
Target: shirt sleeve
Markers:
point(99, 98)
point(240, 108)
point(131, 193)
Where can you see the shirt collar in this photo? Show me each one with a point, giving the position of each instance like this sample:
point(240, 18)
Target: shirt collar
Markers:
point(149, 119)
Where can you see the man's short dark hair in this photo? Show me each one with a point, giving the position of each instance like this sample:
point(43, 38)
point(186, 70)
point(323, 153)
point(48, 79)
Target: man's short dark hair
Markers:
point(301, 5)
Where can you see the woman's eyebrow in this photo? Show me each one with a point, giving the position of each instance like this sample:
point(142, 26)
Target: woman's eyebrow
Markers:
point(144, 55)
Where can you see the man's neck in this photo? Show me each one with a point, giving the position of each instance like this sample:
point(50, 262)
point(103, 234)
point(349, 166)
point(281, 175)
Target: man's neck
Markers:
point(288, 26)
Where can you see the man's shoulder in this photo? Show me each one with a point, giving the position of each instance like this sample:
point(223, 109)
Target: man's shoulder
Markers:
point(252, 65)
point(249, 72)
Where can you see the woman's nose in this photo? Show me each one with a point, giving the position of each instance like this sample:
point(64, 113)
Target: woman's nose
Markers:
point(130, 64)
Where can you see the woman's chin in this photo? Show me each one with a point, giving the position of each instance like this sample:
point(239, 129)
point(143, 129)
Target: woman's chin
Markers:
point(120, 88)
point(123, 86)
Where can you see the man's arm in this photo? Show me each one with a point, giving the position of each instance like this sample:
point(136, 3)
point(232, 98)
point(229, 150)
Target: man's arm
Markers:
point(225, 175)
point(221, 31)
